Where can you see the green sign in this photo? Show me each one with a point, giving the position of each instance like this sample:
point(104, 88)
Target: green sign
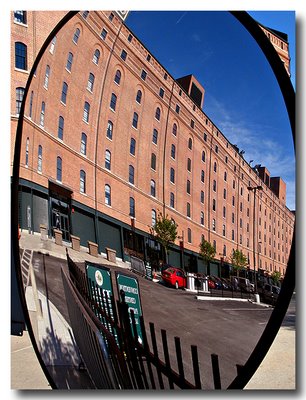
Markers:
point(100, 286)
point(129, 286)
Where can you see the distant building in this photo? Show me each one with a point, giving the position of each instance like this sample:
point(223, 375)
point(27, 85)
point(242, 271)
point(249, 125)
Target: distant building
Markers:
point(279, 41)
point(111, 139)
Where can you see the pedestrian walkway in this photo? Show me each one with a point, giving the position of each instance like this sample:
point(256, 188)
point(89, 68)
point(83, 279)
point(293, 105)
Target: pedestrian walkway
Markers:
point(61, 355)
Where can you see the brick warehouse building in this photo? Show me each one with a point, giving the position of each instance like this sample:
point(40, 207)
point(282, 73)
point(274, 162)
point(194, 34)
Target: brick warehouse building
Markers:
point(111, 139)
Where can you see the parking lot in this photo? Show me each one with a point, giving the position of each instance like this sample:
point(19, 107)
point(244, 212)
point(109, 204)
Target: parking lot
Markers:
point(227, 328)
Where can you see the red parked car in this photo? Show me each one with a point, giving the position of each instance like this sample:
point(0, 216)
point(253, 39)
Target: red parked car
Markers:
point(174, 277)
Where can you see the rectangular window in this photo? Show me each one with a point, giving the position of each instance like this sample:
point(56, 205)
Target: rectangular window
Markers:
point(123, 55)
point(19, 97)
point(20, 16)
point(188, 210)
point(172, 175)
point(103, 34)
point(172, 200)
point(132, 207)
point(173, 151)
point(143, 75)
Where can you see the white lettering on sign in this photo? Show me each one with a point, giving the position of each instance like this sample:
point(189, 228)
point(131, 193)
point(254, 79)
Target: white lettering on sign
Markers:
point(130, 300)
point(128, 289)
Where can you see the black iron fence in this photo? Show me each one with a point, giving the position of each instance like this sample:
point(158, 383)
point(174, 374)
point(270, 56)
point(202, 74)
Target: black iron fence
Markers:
point(107, 336)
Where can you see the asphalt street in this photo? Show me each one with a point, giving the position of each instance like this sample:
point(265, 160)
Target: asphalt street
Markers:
point(227, 328)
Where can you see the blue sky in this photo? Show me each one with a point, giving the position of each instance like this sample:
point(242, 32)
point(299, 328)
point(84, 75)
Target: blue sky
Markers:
point(242, 96)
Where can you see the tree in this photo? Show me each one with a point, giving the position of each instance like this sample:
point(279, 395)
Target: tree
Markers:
point(238, 260)
point(164, 231)
point(207, 251)
point(275, 276)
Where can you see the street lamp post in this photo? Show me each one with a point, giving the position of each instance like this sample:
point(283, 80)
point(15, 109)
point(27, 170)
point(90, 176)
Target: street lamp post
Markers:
point(254, 189)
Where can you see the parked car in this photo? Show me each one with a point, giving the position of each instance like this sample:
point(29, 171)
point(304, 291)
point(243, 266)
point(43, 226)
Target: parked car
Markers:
point(270, 293)
point(217, 282)
point(244, 284)
point(211, 283)
point(174, 277)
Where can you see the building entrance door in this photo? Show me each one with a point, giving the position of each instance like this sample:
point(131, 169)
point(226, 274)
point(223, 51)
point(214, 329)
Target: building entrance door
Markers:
point(60, 221)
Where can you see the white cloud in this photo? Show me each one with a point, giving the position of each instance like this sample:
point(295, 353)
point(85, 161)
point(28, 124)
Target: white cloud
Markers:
point(259, 146)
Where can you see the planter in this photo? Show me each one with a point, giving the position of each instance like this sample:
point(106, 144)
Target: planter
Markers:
point(93, 248)
point(43, 232)
point(111, 254)
point(58, 236)
point(75, 240)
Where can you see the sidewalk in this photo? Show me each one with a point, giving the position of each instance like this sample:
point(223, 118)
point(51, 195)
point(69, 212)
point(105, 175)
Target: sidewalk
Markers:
point(273, 373)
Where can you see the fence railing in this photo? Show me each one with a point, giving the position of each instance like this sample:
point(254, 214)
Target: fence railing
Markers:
point(110, 328)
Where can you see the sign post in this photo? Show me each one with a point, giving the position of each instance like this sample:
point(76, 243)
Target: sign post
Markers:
point(128, 287)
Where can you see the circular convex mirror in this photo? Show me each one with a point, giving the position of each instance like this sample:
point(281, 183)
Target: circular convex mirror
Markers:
point(148, 184)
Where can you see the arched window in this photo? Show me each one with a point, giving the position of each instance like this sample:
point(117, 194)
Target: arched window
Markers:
point(190, 144)
point(153, 188)
point(173, 151)
point(108, 159)
point(47, 75)
point(202, 218)
point(31, 104)
point(188, 186)
point(203, 156)
point(108, 199)
point(202, 196)
point(113, 102)
point(76, 35)
point(117, 77)
point(174, 129)
point(131, 174)
point(153, 217)
point(59, 169)
point(109, 131)
point(172, 175)
point(42, 114)
point(91, 81)
point(189, 164)
point(153, 161)
point(52, 45)
point(69, 61)
point(215, 166)
point(157, 113)
point(202, 176)
point(60, 130)
point(96, 56)
point(84, 144)
point(133, 146)
point(39, 159)
point(21, 56)
point(19, 97)
point(86, 111)
point(139, 96)
point(82, 181)
point(64, 92)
